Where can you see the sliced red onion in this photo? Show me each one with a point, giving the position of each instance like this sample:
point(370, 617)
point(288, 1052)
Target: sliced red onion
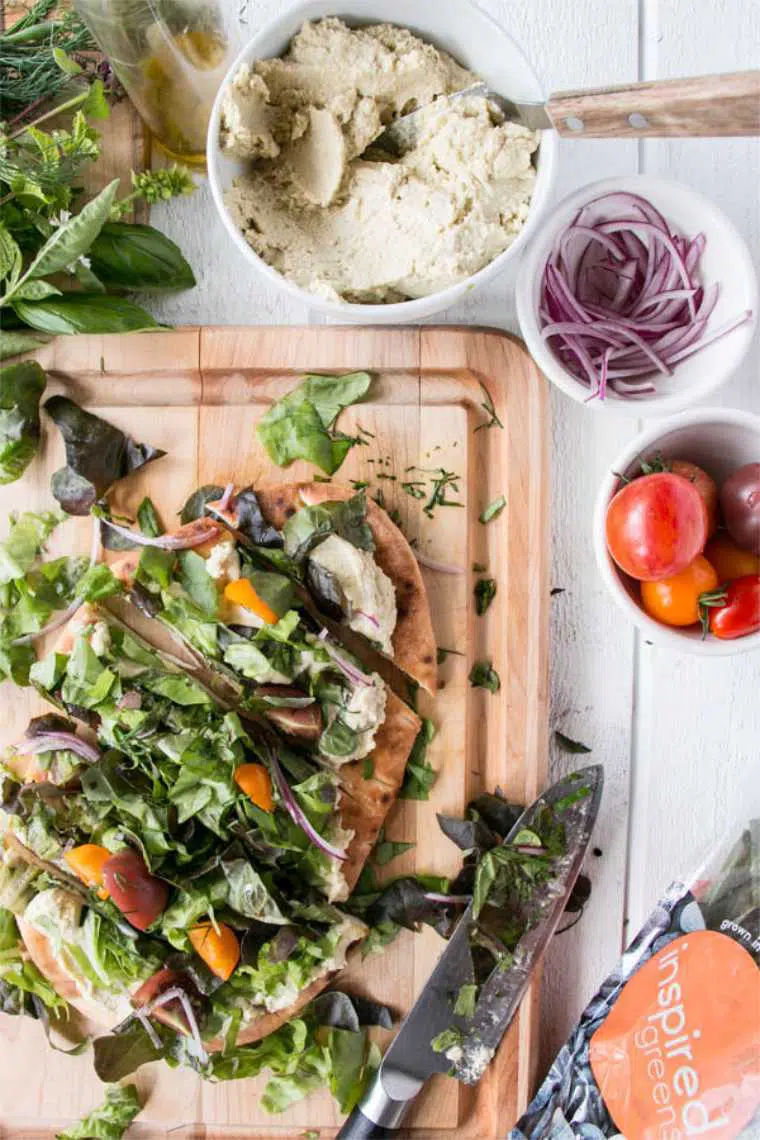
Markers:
point(621, 298)
point(176, 993)
point(61, 618)
point(298, 816)
point(147, 1025)
point(165, 541)
point(63, 741)
point(448, 900)
point(368, 617)
point(226, 498)
point(350, 670)
point(439, 567)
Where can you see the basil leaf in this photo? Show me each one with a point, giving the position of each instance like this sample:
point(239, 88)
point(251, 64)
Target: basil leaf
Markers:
point(309, 526)
point(567, 744)
point(21, 386)
point(84, 313)
point(297, 426)
point(484, 676)
point(388, 849)
point(276, 590)
point(493, 510)
point(197, 582)
point(97, 455)
point(148, 520)
point(10, 254)
point(251, 521)
point(35, 291)
point(338, 740)
point(327, 591)
point(419, 776)
point(156, 565)
point(70, 241)
point(14, 343)
point(132, 256)
point(485, 592)
point(122, 1052)
point(195, 506)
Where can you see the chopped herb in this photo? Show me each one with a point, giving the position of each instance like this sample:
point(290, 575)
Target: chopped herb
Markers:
point(444, 653)
point(443, 479)
point(556, 590)
point(365, 431)
point(359, 484)
point(571, 798)
point(466, 999)
point(386, 475)
point(368, 768)
point(484, 676)
point(447, 1040)
point(488, 407)
point(493, 510)
point(479, 567)
point(485, 592)
point(322, 479)
point(414, 488)
point(420, 775)
point(567, 744)
point(388, 849)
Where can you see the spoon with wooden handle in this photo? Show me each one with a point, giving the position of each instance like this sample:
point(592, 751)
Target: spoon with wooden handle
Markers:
point(703, 106)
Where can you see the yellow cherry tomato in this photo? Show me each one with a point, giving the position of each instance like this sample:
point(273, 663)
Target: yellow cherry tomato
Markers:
point(242, 593)
point(729, 560)
point(675, 601)
point(87, 862)
point(219, 948)
point(253, 779)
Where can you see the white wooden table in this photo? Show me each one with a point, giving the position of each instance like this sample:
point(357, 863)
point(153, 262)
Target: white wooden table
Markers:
point(679, 736)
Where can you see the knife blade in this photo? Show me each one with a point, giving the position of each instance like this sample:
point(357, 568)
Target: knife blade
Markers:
point(410, 1059)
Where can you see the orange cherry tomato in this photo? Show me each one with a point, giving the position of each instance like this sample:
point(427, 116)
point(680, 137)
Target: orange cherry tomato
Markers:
point(219, 948)
point(675, 601)
point(87, 862)
point(254, 780)
point(242, 593)
point(730, 560)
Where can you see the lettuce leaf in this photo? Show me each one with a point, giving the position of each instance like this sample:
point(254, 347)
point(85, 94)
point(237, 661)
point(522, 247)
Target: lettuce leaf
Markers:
point(299, 425)
point(110, 1120)
point(21, 386)
point(311, 525)
point(29, 533)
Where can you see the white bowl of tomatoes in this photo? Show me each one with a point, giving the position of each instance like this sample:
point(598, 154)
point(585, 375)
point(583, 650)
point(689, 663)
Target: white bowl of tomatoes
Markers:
point(677, 531)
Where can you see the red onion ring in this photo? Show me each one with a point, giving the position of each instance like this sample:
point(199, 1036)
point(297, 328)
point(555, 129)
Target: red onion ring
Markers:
point(224, 502)
point(350, 670)
point(165, 541)
point(298, 816)
point(60, 741)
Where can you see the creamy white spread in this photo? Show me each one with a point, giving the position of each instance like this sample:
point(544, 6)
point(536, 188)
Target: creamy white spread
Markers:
point(371, 230)
point(363, 713)
point(368, 590)
point(223, 562)
point(100, 639)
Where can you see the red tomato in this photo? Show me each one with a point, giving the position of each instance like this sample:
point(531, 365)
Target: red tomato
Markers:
point(140, 896)
point(172, 1013)
point(739, 614)
point(675, 601)
point(656, 526)
point(706, 486)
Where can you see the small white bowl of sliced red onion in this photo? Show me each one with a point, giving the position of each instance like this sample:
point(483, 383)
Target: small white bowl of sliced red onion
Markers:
point(638, 296)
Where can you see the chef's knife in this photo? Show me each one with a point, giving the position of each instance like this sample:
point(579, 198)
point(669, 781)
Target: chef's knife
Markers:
point(700, 106)
point(410, 1058)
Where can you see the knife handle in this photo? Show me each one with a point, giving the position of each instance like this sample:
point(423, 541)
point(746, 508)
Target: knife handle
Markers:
point(379, 1115)
point(709, 105)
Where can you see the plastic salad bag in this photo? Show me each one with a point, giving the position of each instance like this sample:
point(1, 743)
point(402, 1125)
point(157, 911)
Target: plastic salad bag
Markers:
point(669, 1048)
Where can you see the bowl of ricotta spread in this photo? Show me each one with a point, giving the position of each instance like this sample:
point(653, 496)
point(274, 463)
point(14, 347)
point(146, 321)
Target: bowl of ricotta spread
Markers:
point(354, 232)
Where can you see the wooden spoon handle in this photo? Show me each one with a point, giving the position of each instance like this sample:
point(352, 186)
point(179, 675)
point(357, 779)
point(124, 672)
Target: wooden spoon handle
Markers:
point(707, 105)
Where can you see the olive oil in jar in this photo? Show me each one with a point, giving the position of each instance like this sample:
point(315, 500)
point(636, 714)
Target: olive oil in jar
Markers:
point(171, 56)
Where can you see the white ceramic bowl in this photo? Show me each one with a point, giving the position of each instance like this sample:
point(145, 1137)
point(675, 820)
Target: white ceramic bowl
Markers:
point(726, 259)
point(718, 439)
point(456, 26)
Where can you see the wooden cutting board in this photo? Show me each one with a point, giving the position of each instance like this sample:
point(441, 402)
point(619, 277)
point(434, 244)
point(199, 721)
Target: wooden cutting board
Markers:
point(198, 394)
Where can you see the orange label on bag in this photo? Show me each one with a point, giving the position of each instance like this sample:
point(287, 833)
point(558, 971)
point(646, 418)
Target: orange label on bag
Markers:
point(679, 1054)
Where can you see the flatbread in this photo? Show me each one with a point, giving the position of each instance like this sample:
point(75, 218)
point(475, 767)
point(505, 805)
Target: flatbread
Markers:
point(414, 646)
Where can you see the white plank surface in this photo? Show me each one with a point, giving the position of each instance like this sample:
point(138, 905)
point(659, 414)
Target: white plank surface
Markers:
point(678, 735)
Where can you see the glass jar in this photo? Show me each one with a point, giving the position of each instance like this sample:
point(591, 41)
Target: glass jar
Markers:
point(171, 56)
